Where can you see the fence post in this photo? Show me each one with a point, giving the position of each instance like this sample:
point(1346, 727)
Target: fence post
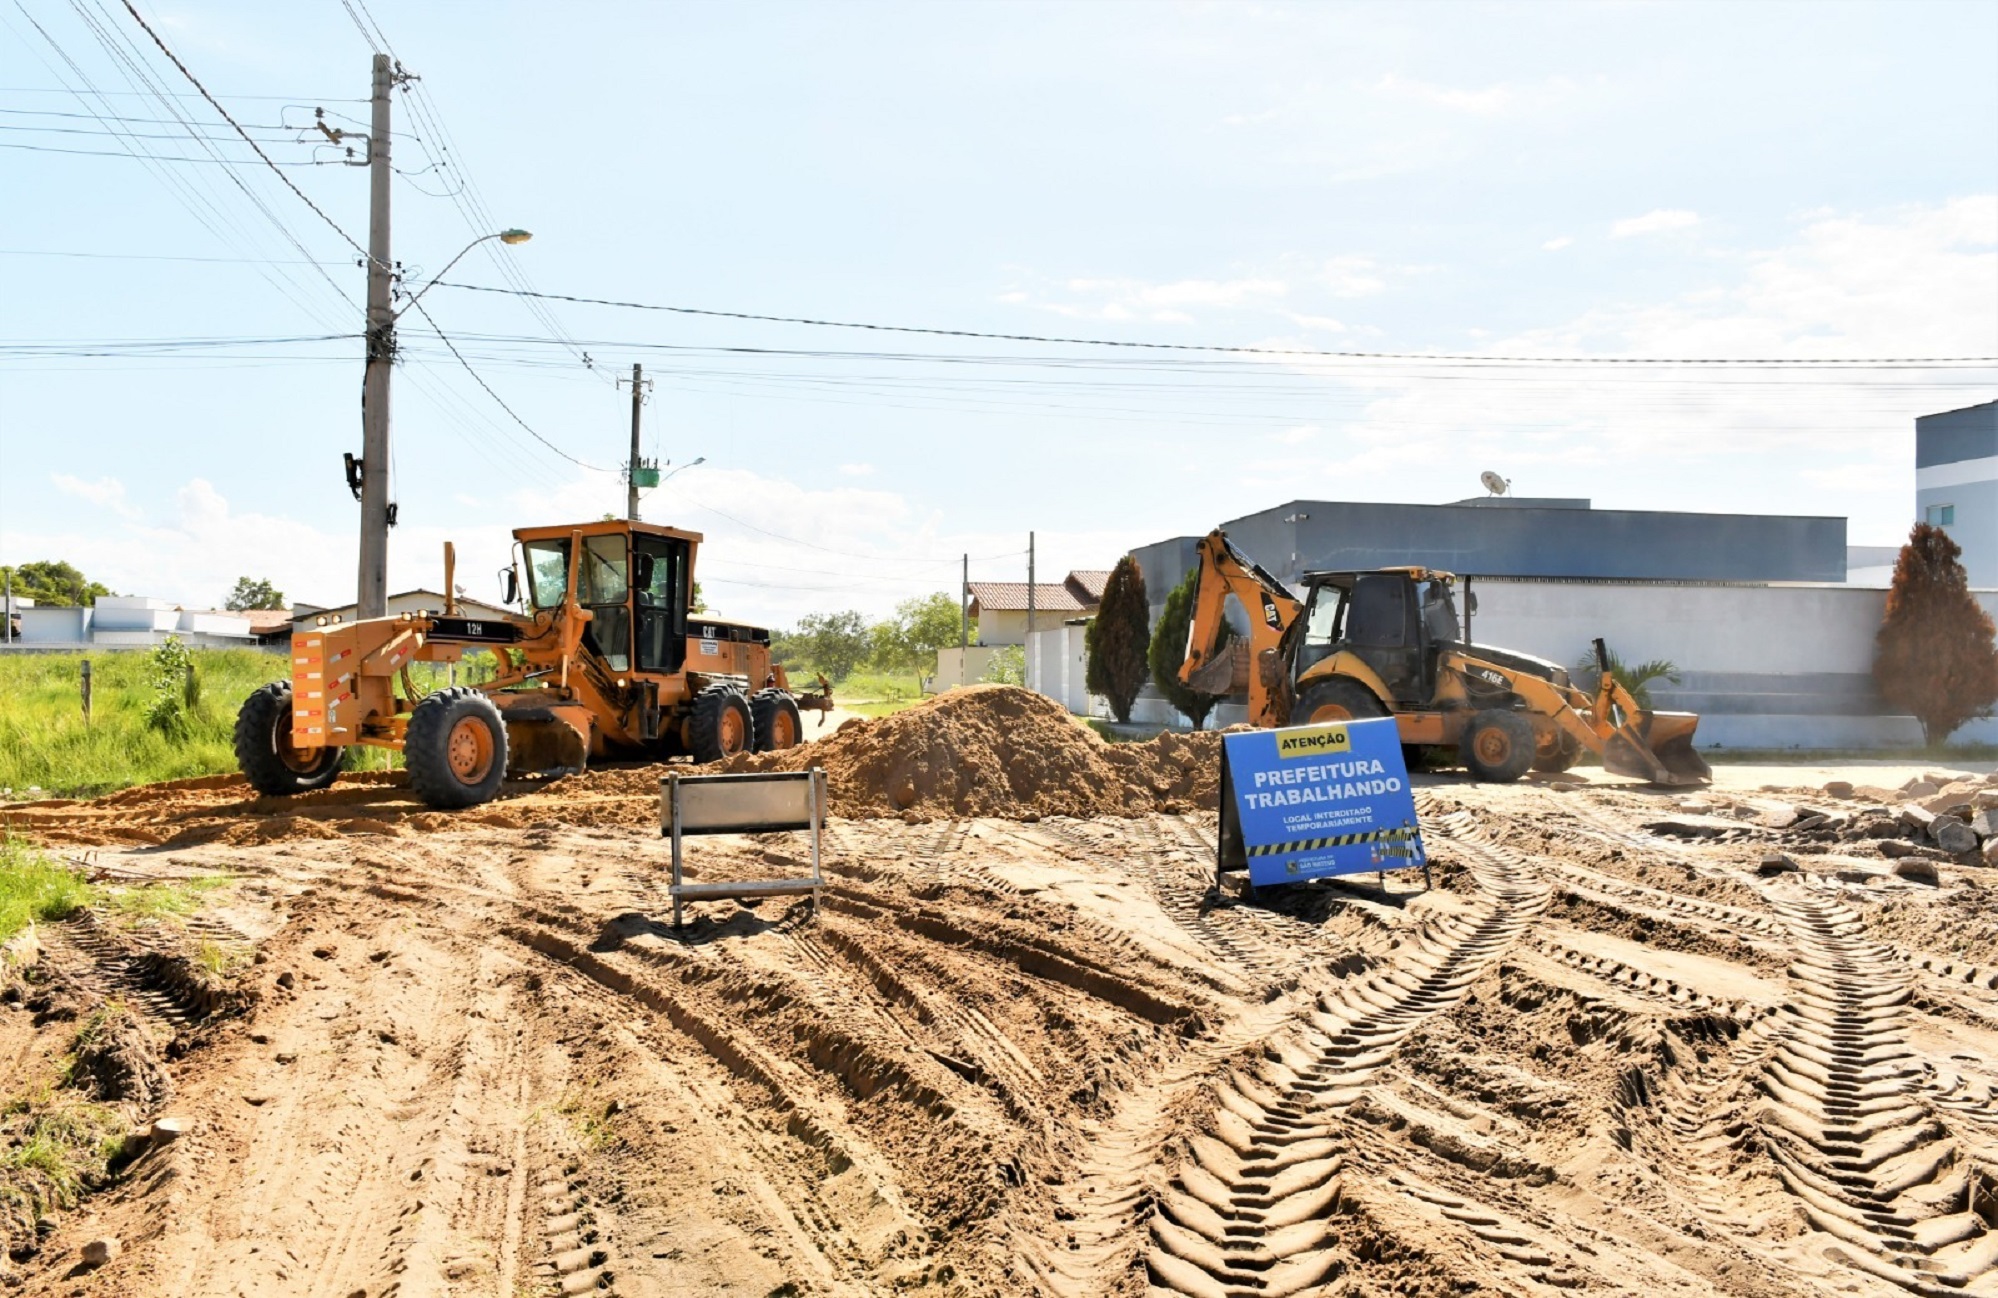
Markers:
point(86, 691)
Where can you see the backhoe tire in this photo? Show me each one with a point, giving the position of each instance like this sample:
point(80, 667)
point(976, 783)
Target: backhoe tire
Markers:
point(778, 725)
point(1498, 746)
point(1338, 699)
point(264, 751)
point(1563, 752)
point(721, 724)
point(455, 748)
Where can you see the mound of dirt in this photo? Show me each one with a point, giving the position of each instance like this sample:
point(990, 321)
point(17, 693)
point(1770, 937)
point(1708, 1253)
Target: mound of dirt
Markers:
point(998, 750)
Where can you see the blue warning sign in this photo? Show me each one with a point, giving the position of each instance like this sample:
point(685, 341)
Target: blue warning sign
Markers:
point(1323, 799)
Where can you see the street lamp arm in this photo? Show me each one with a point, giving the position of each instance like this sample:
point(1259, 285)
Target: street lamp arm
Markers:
point(504, 236)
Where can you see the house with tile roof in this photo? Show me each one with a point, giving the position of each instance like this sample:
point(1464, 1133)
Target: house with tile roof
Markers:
point(1000, 607)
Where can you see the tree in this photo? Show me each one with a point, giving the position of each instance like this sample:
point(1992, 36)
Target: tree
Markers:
point(1008, 666)
point(921, 626)
point(1635, 680)
point(1934, 653)
point(54, 582)
point(1118, 638)
point(1168, 650)
point(251, 594)
point(834, 643)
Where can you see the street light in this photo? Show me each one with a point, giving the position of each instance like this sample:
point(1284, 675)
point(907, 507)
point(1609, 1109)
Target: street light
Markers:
point(699, 459)
point(508, 237)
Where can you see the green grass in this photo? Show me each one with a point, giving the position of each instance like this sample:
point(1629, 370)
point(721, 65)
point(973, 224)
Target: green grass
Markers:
point(46, 744)
point(35, 889)
point(876, 687)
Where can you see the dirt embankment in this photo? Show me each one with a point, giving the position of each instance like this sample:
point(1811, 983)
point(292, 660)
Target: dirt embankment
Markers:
point(989, 750)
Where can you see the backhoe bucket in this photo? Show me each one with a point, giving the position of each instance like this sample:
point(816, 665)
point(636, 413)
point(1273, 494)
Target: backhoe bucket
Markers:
point(1657, 746)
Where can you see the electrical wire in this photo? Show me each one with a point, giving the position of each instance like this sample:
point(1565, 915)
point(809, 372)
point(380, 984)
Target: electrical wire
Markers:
point(499, 400)
point(1465, 358)
point(254, 146)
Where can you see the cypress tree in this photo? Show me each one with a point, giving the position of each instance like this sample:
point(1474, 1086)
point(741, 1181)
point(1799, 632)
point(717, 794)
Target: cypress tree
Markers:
point(1168, 651)
point(1117, 639)
point(1934, 654)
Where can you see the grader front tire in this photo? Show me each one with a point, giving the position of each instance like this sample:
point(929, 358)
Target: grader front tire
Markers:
point(264, 750)
point(455, 749)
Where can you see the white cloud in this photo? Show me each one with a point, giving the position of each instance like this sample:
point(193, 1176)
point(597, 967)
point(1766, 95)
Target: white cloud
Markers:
point(105, 493)
point(1655, 222)
point(1556, 244)
point(1298, 436)
point(1167, 303)
point(1322, 323)
point(857, 470)
point(1354, 277)
point(1490, 101)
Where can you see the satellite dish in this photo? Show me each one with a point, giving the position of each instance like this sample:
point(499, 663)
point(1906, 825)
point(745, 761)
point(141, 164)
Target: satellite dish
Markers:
point(1493, 482)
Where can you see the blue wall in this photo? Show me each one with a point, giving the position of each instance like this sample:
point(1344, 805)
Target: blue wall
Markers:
point(1967, 434)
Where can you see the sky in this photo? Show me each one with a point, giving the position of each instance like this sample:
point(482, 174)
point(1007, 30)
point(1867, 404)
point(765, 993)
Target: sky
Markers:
point(180, 366)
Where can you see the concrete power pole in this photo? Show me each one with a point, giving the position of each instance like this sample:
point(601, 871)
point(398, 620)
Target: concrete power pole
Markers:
point(372, 599)
point(631, 470)
point(1027, 672)
point(964, 611)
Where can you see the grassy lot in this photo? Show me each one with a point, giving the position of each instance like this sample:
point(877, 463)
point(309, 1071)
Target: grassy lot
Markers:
point(45, 742)
point(874, 694)
point(35, 890)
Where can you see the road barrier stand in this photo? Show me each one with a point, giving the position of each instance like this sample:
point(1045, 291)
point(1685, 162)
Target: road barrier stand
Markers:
point(743, 804)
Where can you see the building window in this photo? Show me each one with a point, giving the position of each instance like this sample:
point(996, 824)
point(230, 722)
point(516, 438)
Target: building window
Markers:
point(1940, 515)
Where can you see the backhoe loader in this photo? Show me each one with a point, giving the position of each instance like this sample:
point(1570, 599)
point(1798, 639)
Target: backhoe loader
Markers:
point(607, 660)
point(1387, 643)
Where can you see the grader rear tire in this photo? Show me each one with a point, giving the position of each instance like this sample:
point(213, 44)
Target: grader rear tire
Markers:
point(778, 725)
point(455, 749)
point(264, 751)
point(721, 725)
point(1498, 746)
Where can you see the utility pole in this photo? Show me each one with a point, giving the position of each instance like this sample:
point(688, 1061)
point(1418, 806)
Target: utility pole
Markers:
point(1028, 672)
point(638, 473)
point(631, 470)
point(376, 511)
point(964, 607)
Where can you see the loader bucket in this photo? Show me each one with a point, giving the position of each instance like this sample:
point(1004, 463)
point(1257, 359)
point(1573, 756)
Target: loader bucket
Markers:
point(1657, 746)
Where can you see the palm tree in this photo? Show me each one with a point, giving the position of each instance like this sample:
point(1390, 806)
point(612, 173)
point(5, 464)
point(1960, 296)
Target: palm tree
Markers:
point(1636, 680)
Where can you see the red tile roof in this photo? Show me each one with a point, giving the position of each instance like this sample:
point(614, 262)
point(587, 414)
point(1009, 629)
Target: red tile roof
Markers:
point(1011, 597)
point(1088, 584)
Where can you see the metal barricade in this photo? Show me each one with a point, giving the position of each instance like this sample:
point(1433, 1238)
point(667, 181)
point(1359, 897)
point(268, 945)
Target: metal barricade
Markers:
point(743, 804)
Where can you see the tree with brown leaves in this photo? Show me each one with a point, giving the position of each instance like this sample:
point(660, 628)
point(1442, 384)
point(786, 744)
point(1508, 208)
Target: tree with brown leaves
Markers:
point(1117, 639)
point(1935, 654)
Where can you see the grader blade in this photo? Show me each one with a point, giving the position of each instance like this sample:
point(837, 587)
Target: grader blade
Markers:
point(540, 740)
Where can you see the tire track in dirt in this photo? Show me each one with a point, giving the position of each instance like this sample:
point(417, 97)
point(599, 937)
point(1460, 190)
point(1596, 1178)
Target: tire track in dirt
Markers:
point(1248, 1210)
point(1866, 1160)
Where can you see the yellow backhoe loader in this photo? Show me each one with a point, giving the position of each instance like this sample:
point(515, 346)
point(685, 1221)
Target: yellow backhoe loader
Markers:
point(1387, 643)
point(607, 660)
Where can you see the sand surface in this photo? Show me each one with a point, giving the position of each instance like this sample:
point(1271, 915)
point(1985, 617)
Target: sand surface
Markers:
point(1018, 1052)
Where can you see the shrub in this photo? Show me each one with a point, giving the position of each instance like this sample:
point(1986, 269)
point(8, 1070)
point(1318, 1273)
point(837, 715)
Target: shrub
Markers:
point(1118, 639)
point(1934, 652)
point(1636, 680)
point(176, 689)
point(1008, 666)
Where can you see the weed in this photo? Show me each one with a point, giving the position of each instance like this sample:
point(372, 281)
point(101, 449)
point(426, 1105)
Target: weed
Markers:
point(160, 902)
point(589, 1117)
point(35, 889)
point(61, 1146)
point(221, 959)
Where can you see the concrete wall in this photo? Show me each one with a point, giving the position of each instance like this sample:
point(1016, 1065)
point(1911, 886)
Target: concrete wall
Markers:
point(961, 666)
point(1056, 664)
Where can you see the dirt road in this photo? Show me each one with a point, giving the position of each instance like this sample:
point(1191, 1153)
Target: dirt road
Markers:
point(1021, 1057)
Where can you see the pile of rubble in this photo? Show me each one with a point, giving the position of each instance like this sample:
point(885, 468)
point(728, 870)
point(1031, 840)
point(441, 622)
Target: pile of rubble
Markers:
point(1938, 817)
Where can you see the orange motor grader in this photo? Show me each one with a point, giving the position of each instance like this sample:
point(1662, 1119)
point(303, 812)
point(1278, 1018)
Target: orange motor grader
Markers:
point(1386, 643)
point(608, 660)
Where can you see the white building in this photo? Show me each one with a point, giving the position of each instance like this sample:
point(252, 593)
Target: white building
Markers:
point(1956, 483)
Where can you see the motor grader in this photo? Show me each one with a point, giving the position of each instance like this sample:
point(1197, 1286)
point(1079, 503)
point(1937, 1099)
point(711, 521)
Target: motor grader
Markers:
point(1387, 643)
point(606, 660)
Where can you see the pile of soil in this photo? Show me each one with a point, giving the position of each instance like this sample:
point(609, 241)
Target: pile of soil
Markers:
point(989, 750)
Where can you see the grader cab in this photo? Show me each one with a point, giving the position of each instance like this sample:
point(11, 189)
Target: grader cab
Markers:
point(607, 660)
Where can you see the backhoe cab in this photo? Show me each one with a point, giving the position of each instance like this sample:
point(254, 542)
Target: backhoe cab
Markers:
point(1389, 643)
point(606, 660)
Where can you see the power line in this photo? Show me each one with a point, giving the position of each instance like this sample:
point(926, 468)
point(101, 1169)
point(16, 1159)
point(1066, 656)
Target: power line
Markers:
point(157, 256)
point(500, 401)
point(132, 157)
point(254, 146)
point(1468, 358)
point(182, 94)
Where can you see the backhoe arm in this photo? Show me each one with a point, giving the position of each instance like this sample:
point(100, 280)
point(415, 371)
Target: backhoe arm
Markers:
point(1223, 571)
